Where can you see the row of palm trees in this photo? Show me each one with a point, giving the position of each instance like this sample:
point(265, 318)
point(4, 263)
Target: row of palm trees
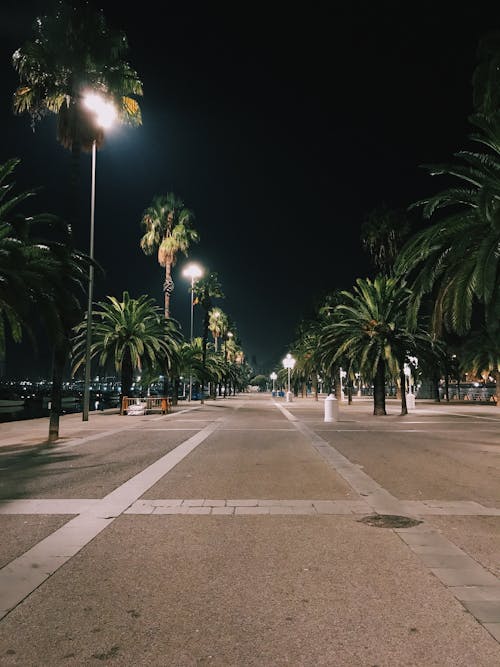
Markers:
point(74, 51)
point(46, 281)
point(436, 292)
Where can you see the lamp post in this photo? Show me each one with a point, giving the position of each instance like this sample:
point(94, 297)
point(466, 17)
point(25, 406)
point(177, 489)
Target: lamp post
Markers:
point(228, 336)
point(192, 271)
point(105, 114)
point(342, 374)
point(288, 363)
point(358, 378)
point(273, 377)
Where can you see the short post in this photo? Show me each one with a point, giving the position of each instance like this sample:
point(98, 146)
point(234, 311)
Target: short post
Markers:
point(331, 408)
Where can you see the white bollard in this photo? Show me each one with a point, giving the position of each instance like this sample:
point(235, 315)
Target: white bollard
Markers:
point(410, 401)
point(331, 408)
point(289, 396)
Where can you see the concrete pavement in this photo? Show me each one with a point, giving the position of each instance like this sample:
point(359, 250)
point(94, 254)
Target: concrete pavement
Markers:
point(248, 535)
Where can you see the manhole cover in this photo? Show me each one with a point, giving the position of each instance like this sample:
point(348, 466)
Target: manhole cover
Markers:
point(389, 521)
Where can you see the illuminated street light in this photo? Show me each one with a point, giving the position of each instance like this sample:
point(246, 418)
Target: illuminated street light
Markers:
point(105, 113)
point(342, 375)
point(273, 377)
point(288, 363)
point(192, 271)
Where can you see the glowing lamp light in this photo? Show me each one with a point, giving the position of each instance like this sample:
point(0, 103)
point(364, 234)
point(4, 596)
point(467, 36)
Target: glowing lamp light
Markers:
point(105, 111)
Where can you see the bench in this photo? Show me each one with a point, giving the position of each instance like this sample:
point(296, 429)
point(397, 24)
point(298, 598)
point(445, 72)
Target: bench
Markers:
point(143, 406)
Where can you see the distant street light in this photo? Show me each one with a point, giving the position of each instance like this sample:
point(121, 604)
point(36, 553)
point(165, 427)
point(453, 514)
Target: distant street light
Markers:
point(288, 363)
point(273, 377)
point(105, 113)
point(192, 271)
point(342, 375)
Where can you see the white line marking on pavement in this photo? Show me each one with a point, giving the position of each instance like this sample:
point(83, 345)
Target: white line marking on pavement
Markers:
point(24, 574)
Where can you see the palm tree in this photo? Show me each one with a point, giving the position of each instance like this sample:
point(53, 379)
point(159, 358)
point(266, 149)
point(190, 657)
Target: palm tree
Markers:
point(187, 362)
point(369, 327)
point(382, 234)
point(331, 367)
point(39, 278)
point(73, 51)
point(168, 232)
point(217, 324)
point(480, 354)
point(206, 289)
point(306, 350)
point(133, 333)
point(23, 262)
point(457, 258)
point(67, 295)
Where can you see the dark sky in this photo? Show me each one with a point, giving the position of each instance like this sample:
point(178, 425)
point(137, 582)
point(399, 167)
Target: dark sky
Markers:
point(280, 126)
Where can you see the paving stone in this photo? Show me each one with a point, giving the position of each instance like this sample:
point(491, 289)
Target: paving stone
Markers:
point(229, 511)
point(251, 510)
point(494, 629)
point(465, 576)
point(485, 611)
point(455, 561)
point(476, 593)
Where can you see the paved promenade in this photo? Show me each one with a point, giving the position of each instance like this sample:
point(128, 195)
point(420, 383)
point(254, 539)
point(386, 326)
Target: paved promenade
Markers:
point(250, 532)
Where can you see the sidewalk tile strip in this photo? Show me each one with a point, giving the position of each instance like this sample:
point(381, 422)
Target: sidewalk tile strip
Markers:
point(242, 503)
point(486, 612)
point(445, 549)
point(169, 510)
point(199, 510)
point(493, 629)
point(46, 506)
point(170, 502)
point(477, 593)
point(470, 576)
point(455, 561)
point(252, 510)
point(227, 511)
point(293, 510)
point(140, 507)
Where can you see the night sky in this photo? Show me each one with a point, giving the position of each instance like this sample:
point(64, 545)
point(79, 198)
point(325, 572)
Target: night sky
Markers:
point(280, 127)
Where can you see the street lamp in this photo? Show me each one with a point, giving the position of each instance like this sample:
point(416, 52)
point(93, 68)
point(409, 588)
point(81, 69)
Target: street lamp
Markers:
point(288, 363)
point(342, 374)
point(273, 377)
point(228, 336)
point(358, 378)
point(192, 271)
point(105, 113)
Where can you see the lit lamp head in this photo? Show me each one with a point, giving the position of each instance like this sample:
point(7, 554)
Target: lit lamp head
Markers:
point(104, 111)
point(192, 271)
point(289, 361)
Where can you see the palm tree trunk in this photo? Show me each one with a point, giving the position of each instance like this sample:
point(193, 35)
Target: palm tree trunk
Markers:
point(168, 287)
point(435, 388)
point(206, 322)
point(402, 382)
point(175, 392)
point(127, 374)
point(60, 355)
point(496, 376)
point(379, 390)
point(338, 385)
